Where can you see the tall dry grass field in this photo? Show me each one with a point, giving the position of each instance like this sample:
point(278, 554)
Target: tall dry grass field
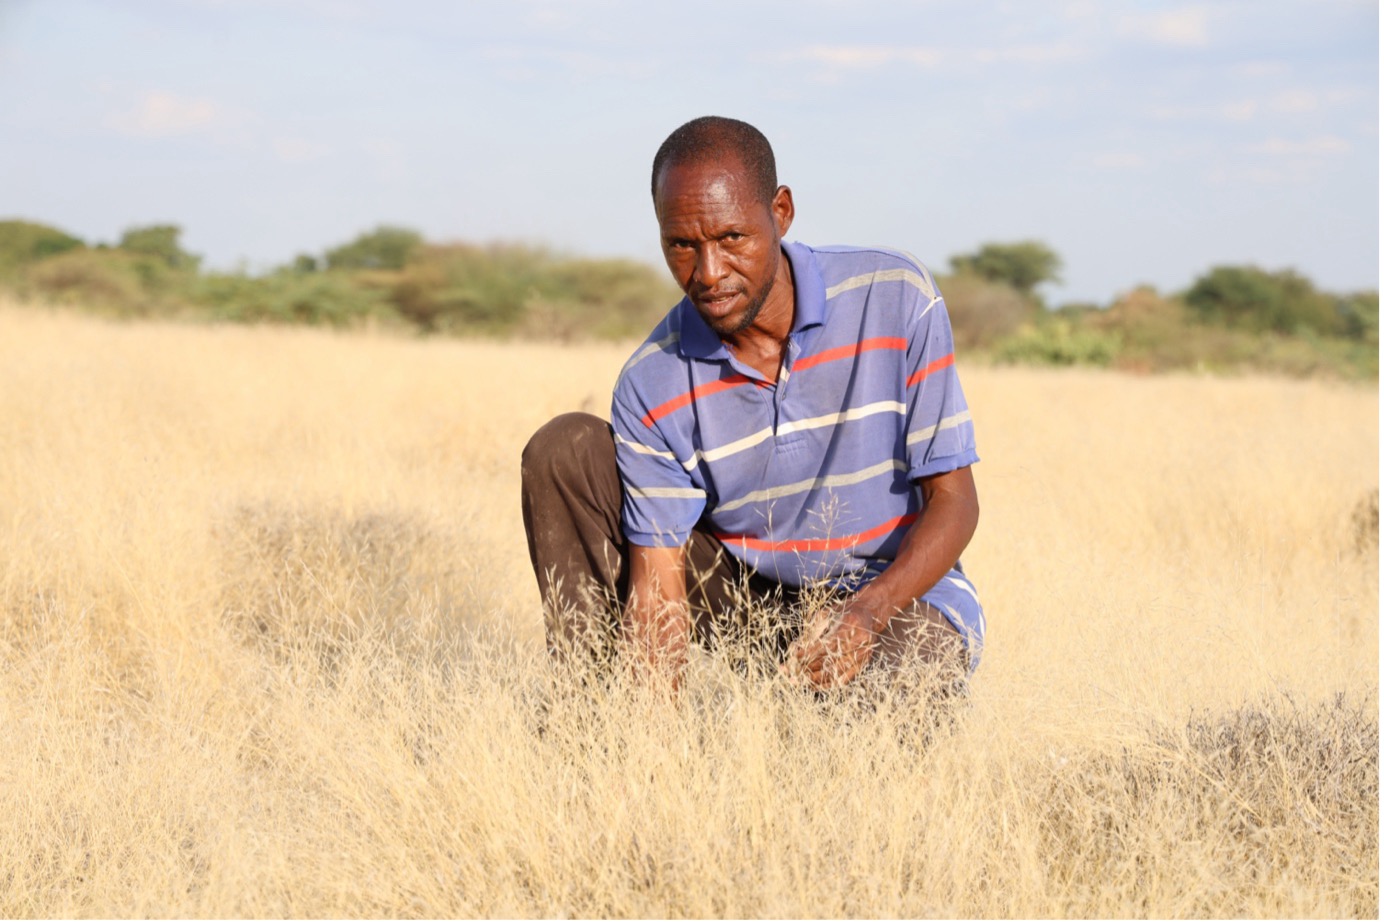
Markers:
point(269, 646)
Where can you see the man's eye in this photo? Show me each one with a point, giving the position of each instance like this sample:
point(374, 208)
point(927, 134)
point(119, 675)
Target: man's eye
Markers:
point(732, 237)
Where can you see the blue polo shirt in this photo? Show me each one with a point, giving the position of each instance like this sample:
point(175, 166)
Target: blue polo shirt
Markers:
point(809, 477)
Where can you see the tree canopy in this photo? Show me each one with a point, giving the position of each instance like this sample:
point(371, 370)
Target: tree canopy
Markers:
point(1251, 298)
point(385, 247)
point(160, 241)
point(1023, 266)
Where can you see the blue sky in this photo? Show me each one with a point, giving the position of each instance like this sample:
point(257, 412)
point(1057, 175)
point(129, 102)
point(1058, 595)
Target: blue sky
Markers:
point(1144, 142)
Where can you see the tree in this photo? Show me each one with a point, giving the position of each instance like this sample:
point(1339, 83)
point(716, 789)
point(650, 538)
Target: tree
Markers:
point(161, 242)
point(1023, 266)
point(384, 247)
point(24, 242)
point(1248, 297)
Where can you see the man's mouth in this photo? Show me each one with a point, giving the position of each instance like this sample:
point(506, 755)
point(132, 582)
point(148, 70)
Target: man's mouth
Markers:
point(716, 301)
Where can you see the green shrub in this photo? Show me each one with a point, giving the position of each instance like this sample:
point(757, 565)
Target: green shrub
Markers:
point(23, 243)
point(507, 288)
point(1359, 314)
point(108, 281)
point(1247, 297)
point(385, 247)
point(1058, 341)
point(984, 312)
point(318, 298)
point(160, 243)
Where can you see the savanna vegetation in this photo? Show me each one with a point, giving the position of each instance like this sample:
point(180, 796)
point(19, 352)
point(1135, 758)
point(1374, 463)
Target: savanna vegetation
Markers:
point(1230, 319)
point(269, 646)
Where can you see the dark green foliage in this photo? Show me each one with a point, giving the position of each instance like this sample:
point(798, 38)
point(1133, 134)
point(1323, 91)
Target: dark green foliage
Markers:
point(1232, 319)
point(385, 247)
point(160, 242)
point(23, 243)
point(517, 288)
point(1022, 266)
point(285, 297)
point(1359, 313)
point(1247, 297)
point(110, 281)
point(1056, 340)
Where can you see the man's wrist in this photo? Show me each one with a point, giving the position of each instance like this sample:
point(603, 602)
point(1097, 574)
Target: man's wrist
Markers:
point(874, 611)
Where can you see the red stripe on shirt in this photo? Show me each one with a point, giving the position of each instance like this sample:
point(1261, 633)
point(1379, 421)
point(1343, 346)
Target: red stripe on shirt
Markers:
point(705, 390)
point(808, 545)
point(851, 349)
point(945, 361)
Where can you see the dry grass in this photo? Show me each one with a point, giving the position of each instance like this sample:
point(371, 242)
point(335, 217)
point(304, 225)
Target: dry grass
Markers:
point(269, 647)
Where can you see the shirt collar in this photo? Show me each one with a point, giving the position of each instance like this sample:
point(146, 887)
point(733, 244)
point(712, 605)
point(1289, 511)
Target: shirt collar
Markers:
point(699, 341)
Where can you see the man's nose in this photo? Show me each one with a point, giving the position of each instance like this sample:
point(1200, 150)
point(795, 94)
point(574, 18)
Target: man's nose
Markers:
point(711, 265)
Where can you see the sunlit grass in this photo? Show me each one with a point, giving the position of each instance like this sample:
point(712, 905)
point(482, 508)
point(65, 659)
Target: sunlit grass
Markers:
point(270, 646)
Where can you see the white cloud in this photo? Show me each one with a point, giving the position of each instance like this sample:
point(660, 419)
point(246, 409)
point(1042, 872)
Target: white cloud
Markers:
point(162, 114)
point(526, 64)
point(1027, 54)
point(838, 58)
point(1082, 9)
point(869, 56)
point(1119, 160)
point(1286, 103)
point(299, 150)
point(1289, 102)
point(1184, 28)
point(1241, 111)
point(1295, 101)
point(1320, 146)
point(1259, 70)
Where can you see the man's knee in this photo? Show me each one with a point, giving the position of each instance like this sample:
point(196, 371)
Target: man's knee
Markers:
point(563, 446)
point(921, 636)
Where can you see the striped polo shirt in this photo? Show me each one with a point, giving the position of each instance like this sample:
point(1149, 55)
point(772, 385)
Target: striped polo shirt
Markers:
point(807, 478)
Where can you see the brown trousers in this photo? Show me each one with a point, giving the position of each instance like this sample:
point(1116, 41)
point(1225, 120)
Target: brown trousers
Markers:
point(571, 506)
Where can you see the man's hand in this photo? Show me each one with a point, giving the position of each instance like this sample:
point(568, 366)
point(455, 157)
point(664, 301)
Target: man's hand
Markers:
point(656, 623)
point(835, 645)
point(839, 641)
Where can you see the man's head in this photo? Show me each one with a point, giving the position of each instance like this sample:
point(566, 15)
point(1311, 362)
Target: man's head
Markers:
point(713, 139)
point(722, 215)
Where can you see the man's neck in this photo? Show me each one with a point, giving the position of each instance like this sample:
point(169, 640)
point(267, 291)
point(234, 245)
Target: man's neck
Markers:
point(763, 344)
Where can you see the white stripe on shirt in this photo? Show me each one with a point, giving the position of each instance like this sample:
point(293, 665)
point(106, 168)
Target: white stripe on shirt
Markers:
point(883, 275)
point(949, 422)
point(802, 486)
point(964, 586)
point(666, 492)
point(799, 425)
point(649, 349)
point(642, 449)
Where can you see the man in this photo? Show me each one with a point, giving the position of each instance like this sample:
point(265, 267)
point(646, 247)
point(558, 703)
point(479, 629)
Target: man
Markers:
point(792, 434)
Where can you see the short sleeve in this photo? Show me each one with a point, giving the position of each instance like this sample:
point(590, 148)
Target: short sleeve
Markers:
point(661, 502)
point(940, 435)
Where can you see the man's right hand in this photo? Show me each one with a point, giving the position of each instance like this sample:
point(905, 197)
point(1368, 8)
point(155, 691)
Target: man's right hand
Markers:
point(657, 625)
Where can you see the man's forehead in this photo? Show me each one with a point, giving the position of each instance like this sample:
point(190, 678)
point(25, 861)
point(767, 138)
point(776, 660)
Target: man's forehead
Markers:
point(726, 170)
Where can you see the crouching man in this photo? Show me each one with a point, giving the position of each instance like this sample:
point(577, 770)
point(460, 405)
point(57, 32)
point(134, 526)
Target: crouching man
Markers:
point(792, 432)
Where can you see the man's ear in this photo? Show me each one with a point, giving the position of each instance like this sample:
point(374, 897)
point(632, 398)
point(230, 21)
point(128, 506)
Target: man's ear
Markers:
point(782, 209)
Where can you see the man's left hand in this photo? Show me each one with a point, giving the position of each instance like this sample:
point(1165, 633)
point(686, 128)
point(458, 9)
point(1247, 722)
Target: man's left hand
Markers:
point(834, 646)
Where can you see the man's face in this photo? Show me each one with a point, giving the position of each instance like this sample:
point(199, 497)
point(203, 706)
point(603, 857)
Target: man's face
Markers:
point(721, 241)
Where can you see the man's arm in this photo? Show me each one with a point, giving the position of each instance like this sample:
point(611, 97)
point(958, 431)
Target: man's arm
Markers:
point(832, 653)
point(657, 625)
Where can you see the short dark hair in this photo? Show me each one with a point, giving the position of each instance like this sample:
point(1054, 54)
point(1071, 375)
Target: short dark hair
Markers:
point(712, 138)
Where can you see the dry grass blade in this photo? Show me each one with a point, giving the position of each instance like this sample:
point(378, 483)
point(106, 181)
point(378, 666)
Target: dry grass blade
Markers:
point(269, 646)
